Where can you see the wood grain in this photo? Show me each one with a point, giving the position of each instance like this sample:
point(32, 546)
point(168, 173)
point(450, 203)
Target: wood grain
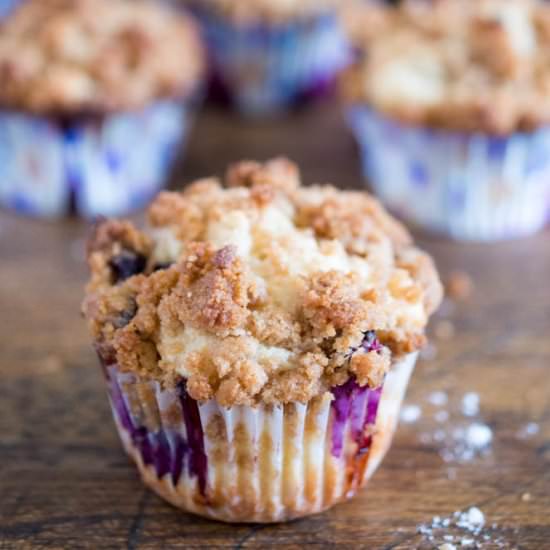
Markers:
point(65, 482)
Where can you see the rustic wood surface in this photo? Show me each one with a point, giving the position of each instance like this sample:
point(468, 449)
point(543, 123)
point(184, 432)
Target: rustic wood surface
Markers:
point(65, 482)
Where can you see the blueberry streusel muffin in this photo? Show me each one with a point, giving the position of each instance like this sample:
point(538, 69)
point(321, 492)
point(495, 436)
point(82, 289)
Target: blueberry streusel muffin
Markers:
point(450, 102)
point(257, 339)
point(269, 54)
point(95, 96)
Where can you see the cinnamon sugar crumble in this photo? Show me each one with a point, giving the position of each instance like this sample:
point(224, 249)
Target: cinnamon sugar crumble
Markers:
point(94, 56)
point(259, 291)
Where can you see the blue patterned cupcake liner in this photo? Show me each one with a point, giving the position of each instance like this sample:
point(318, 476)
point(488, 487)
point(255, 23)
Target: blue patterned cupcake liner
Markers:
point(256, 464)
point(108, 165)
point(468, 186)
point(6, 6)
point(264, 69)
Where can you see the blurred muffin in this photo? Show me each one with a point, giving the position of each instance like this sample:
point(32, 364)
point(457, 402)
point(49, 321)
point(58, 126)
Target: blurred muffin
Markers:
point(450, 103)
point(95, 97)
point(257, 340)
point(269, 54)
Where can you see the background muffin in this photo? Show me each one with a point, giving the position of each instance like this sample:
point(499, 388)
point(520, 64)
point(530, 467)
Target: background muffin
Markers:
point(95, 97)
point(257, 340)
point(449, 102)
point(267, 55)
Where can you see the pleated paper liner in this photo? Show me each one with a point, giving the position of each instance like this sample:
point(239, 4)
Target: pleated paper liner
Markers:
point(261, 464)
point(472, 187)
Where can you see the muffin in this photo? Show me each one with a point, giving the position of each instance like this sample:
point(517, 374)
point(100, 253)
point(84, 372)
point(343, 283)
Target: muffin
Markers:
point(267, 55)
point(96, 96)
point(450, 104)
point(257, 340)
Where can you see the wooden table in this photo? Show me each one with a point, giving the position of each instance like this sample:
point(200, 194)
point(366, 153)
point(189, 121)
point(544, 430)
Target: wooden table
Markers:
point(65, 482)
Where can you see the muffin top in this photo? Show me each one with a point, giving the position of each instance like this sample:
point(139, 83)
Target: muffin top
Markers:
point(272, 11)
point(469, 66)
point(95, 56)
point(259, 291)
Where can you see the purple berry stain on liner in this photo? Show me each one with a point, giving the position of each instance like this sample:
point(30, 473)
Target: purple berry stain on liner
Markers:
point(359, 404)
point(155, 448)
point(197, 460)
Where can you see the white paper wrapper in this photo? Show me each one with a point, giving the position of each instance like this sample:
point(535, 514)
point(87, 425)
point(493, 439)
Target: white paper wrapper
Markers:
point(467, 186)
point(107, 166)
point(264, 68)
point(264, 464)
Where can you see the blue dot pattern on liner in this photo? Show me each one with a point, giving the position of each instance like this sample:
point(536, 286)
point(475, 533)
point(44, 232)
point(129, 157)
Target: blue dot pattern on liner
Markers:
point(6, 6)
point(265, 69)
point(419, 174)
point(110, 166)
point(470, 187)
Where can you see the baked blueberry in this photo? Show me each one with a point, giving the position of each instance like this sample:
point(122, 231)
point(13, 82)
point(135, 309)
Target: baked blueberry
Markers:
point(126, 264)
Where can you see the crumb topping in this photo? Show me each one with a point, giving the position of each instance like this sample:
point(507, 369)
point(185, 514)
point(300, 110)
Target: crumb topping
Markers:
point(259, 289)
point(246, 12)
point(469, 66)
point(88, 56)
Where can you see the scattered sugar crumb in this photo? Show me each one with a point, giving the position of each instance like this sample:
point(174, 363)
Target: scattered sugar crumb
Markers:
point(479, 435)
point(438, 398)
point(470, 404)
point(459, 285)
point(526, 497)
point(458, 439)
point(464, 529)
point(463, 444)
point(529, 430)
point(410, 413)
point(472, 518)
point(444, 330)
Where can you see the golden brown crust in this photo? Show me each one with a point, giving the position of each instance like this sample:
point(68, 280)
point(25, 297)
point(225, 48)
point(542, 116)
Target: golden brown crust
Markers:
point(354, 218)
point(421, 268)
point(213, 291)
point(273, 300)
point(466, 66)
point(66, 57)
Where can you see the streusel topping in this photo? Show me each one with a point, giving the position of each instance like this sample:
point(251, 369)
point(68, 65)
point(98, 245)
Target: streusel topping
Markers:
point(262, 290)
point(474, 66)
point(272, 11)
point(75, 56)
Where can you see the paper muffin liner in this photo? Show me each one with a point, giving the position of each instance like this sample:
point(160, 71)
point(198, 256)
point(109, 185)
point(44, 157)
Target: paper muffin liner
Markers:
point(264, 68)
point(107, 165)
point(467, 186)
point(256, 464)
point(6, 6)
